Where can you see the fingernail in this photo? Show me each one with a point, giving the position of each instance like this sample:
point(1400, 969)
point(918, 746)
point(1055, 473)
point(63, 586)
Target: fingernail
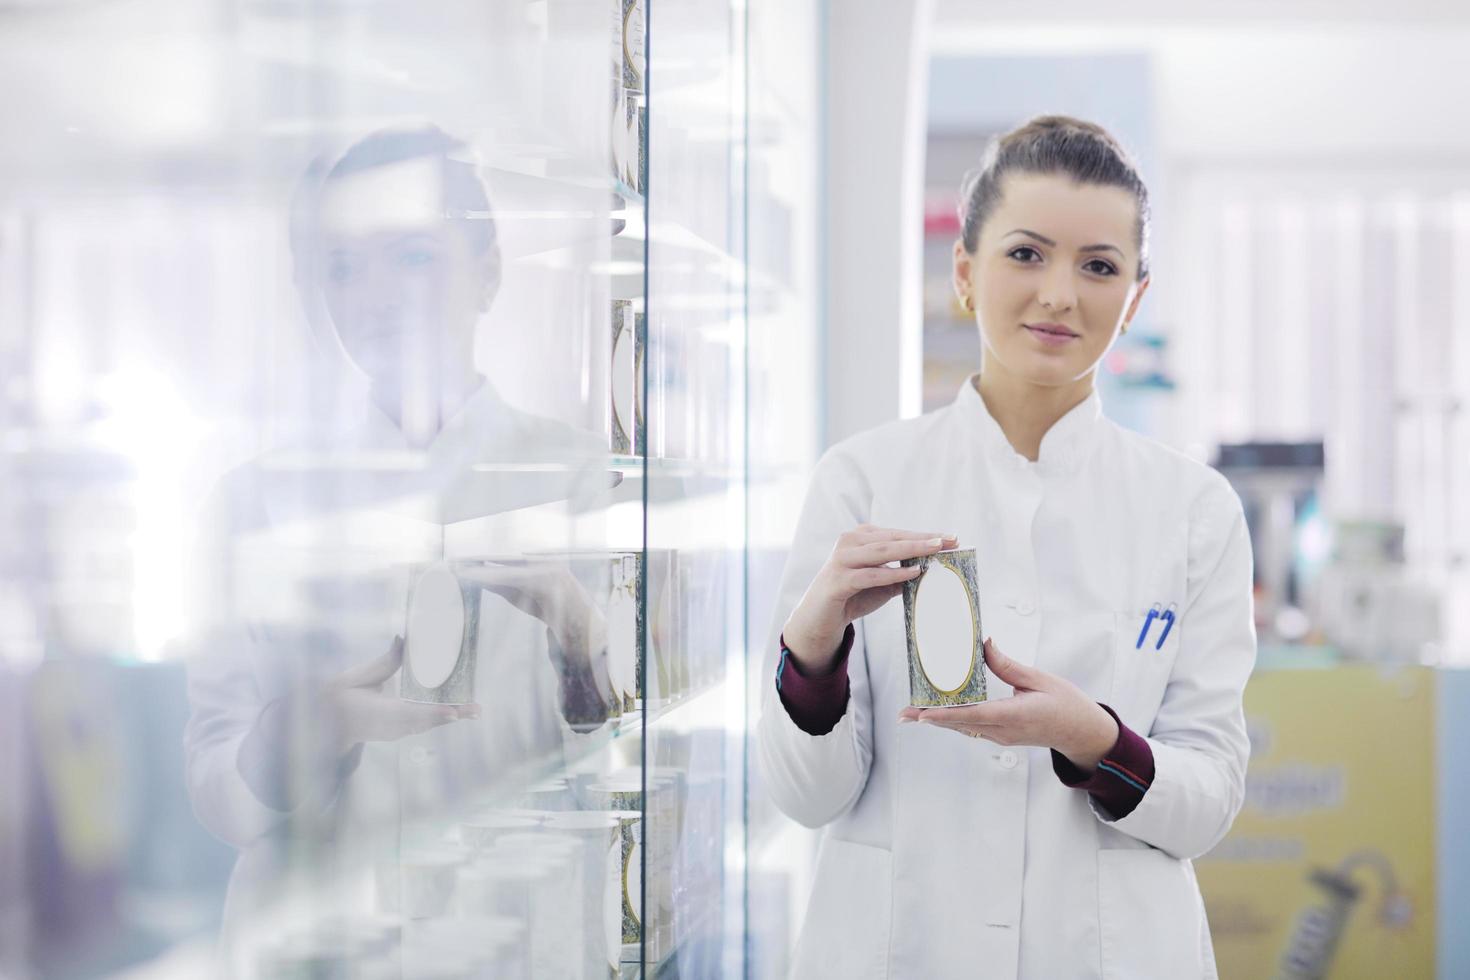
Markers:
point(905, 721)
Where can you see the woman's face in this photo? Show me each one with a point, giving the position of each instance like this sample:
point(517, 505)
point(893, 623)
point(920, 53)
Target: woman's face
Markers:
point(403, 288)
point(1053, 278)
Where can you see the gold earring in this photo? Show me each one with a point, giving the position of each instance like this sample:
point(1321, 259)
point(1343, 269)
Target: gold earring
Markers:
point(969, 304)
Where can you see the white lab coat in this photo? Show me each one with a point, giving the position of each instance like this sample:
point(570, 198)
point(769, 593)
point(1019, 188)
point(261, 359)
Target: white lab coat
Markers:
point(303, 572)
point(945, 856)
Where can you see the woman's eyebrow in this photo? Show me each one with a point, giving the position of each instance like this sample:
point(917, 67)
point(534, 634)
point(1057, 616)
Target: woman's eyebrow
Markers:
point(1051, 244)
point(415, 237)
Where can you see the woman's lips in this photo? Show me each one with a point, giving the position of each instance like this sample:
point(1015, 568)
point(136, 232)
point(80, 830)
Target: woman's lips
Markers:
point(1049, 335)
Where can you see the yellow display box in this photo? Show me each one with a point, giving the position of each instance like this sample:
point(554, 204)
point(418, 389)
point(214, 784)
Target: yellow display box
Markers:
point(1329, 870)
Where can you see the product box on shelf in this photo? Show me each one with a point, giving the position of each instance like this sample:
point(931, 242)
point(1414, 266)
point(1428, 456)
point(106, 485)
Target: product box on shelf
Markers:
point(640, 417)
point(626, 425)
point(625, 623)
point(641, 186)
point(630, 139)
point(617, 133)
point(633, 46)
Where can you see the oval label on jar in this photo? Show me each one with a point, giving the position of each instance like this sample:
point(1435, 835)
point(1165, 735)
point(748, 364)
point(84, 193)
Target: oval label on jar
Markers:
point(435, 626)
point(944, 630)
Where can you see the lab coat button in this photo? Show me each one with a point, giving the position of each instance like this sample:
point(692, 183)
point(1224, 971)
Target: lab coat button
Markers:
point(1008, 759)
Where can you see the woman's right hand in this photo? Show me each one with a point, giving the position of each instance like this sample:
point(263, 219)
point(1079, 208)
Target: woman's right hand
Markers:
point(363, 712)
point(853, 583)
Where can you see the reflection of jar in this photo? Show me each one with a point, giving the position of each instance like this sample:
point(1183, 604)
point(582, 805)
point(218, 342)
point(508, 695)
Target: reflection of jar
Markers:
point(479, 946)
point(622, 383)
point(628, 886)
point(599, 836)
point(666, 633)
point(624, 632)
point(337, 947)
point(427, 880)
point(561, 920)
point(548, 796)
point(625, 858)
point(439, 640)
point(483, 831)
point(527, 889)
point(665, 823)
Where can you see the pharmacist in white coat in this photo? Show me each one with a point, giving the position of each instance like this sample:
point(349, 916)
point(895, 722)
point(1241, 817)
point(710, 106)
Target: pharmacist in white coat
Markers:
point(1055, 840)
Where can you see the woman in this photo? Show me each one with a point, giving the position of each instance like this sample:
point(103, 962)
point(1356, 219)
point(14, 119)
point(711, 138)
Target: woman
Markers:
point(300, 752)
point(1056, 840)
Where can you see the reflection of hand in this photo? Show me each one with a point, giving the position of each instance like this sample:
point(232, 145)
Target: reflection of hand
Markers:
point(578, 647)
point(363, 713)
point(302, 743)
point(855, 581)
point(1046, 710)
point(553, 595)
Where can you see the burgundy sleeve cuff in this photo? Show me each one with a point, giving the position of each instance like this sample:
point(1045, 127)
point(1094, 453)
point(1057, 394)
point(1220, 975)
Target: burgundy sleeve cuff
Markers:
point(1121, 778)
point(815, 704)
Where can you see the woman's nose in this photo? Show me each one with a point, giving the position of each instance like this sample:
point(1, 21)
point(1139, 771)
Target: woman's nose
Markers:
point(1057, 292)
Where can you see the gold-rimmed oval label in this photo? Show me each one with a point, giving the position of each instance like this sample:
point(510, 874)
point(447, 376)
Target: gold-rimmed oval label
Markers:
point(942, 626)
point(944, 630)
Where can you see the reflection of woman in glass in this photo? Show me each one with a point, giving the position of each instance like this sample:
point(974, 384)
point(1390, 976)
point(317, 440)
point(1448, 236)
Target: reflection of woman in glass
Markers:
point(1054, 840)
point(305, 566)
point(399, 244)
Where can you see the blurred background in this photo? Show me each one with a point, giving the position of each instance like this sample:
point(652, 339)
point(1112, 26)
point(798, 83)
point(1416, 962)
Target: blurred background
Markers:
point(674, 250)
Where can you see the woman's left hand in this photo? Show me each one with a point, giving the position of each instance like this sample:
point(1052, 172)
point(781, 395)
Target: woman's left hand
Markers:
point(1046, 710)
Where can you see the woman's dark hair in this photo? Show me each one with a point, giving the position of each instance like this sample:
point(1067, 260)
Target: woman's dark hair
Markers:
point(1059, 145)
point(462, 194)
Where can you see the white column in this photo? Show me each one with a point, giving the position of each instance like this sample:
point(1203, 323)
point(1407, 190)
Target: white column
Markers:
point(877, 87)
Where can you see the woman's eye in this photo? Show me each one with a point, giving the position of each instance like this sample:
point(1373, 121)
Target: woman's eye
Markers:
point(1101, 268)
point(1025, 253)
point(416, 257)
point(341, 270)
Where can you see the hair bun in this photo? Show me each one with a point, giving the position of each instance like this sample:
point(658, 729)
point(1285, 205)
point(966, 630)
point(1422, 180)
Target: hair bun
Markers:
point(1053, 144)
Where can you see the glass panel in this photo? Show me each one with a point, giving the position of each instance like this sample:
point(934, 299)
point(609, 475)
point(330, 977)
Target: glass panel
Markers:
point(694, 684)
point(786, 399)
point(324, 490)
point(375, 477)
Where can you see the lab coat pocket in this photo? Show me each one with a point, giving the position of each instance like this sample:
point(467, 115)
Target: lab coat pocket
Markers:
point(847, 919)
point(1148, 916)
point(1140, 671)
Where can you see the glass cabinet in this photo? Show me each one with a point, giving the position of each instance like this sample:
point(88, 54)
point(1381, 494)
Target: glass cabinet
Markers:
point(377, 481)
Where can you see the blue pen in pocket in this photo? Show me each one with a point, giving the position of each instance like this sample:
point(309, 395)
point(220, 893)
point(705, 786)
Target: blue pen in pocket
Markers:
point(1168, 620)
point(1149, 621)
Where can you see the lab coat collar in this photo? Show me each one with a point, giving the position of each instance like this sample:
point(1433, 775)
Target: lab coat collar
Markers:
point(1064, 447)
point(481, 419)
